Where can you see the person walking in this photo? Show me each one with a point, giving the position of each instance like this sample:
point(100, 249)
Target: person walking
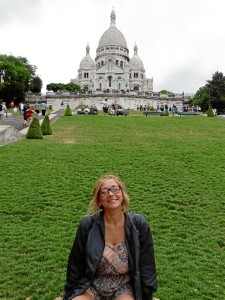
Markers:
point(112, 257)
point(37, 107)
point(21, 108)
point(43, 108)
point(105, 107)
point(3, 112)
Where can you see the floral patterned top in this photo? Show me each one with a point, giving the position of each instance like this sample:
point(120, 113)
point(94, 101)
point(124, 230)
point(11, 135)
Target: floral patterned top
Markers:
point(112, 272)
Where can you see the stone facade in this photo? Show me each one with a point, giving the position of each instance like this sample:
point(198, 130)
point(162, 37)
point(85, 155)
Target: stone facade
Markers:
point(127, 101)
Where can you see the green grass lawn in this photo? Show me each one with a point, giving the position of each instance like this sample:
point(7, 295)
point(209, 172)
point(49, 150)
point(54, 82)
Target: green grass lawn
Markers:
point(174, 169)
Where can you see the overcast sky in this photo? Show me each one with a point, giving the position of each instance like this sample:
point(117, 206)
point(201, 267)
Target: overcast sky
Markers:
point(181, 42)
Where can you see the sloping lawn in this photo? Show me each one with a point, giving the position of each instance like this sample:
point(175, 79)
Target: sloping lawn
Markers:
point(174, 169)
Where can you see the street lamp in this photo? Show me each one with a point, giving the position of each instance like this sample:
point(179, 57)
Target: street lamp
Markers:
point(1, 76)
point(209, 96)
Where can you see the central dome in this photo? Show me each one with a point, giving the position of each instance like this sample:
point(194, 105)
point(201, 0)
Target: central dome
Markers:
point(112, 36)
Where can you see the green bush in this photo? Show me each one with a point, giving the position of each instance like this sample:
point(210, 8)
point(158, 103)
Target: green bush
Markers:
point(34, 131)
point(45, 126)
point(68, 111)
point(210, 112)
point(166, 113)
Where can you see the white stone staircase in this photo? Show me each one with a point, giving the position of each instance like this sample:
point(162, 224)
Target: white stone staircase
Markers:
point(9, 134)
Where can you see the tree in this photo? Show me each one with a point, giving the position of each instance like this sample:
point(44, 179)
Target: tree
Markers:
point(34, 131)
point(216, 88)
point(55, 87)
point(68, 111)
point(31, 68)
point(201, 98)
point(45, 126)
point(210, 112)
point(70, 87)
point(15, 76)
point(212, 94)
point(165, 92)
point(166, 113)
point(36, 85)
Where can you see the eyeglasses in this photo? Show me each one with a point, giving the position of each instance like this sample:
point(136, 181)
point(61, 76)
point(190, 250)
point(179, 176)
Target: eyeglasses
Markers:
point(114, 189)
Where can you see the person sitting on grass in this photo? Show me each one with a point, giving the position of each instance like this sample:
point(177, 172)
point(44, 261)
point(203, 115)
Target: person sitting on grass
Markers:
point(112, 256)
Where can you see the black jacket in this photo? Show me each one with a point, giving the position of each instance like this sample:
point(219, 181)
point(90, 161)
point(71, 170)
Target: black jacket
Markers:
point(88, 248)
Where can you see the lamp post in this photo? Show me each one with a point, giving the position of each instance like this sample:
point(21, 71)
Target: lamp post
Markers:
point(209, 97)
point(1, 80)
point(1, 76)
point(28, 93)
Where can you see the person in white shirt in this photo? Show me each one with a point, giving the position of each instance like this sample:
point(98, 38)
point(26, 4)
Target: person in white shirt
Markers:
point(3, 111)
point(105, 107)
point(21, 108)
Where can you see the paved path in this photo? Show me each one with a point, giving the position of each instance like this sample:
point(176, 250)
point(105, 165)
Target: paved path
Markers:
point(17, 120)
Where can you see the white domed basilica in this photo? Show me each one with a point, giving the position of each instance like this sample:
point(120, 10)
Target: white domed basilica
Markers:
point(114, 76)
point(113, 70)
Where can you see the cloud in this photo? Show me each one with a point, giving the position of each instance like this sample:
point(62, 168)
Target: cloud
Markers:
point(181, 43)
point(22, 11)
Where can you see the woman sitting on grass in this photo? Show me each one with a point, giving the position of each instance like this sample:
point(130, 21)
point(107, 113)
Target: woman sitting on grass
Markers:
point(112, 257)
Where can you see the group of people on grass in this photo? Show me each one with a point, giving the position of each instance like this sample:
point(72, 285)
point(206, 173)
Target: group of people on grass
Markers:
point(91, 110)
point(113, 109)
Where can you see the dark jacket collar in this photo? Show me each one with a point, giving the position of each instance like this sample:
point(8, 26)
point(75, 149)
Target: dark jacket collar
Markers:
point(98, 218)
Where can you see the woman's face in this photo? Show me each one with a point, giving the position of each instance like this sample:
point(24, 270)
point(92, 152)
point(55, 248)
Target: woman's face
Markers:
point(110, 195)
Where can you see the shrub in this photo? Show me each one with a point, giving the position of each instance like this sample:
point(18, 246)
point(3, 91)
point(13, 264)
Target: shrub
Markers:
point(68, 111)
point(45, 126)
point(34, 131)
point(166, 113)
point(210, 112)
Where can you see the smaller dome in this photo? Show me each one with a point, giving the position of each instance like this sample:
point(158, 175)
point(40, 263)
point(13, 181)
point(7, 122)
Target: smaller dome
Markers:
point(87, 62)
point(136, 62)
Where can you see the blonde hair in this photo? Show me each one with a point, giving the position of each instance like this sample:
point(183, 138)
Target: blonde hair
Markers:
point(93, 205)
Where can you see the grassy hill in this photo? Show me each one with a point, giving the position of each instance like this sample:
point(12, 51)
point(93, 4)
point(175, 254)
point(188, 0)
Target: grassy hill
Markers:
point(174, 172)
